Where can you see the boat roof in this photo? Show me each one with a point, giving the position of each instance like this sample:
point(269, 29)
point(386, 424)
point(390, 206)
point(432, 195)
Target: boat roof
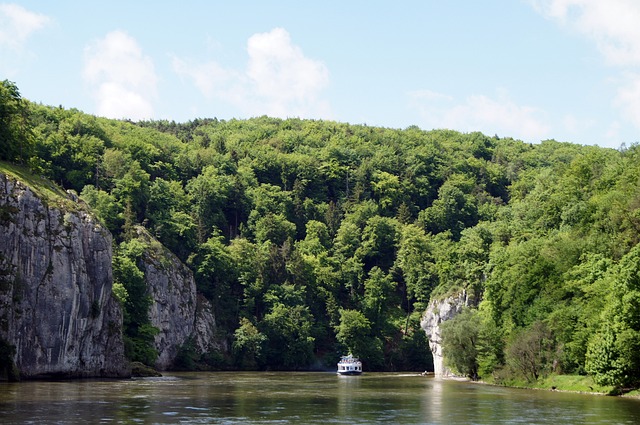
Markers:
point(349, 357)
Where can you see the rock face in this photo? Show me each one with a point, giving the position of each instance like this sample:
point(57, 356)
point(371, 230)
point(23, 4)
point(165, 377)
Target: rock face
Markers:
point(171, 286)
point(437, 312)
point(205, 335)
point(56, 305)
point(177, 311)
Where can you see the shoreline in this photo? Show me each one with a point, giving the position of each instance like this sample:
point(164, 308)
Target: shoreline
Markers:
point(552, 389)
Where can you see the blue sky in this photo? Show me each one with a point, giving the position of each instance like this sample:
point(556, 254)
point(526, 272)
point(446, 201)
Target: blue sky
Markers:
point(567, 70)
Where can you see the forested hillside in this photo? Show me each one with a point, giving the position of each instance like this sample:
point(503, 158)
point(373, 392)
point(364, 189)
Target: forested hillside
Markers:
point(315, 238)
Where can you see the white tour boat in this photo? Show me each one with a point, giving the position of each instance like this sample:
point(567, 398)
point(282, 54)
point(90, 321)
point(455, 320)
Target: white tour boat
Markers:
point(349, 365)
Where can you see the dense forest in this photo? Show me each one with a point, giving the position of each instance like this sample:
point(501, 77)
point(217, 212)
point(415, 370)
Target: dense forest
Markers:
point(315, 238)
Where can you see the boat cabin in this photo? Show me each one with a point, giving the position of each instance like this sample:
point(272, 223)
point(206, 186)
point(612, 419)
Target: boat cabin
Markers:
point(349, 365)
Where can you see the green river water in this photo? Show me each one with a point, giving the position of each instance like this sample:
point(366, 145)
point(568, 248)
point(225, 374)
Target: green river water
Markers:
point(301, 398)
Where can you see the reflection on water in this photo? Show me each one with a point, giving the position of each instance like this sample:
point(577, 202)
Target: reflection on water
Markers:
point(432, 406)
point(301, 398)
point(348, 388)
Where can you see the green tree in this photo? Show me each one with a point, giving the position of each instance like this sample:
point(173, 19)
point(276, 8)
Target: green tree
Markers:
point(612, 357)
point(216, 278)
point(416, 262)
point(274, 228)
point(379, 243)
point(387, 188)
point(520, 273)
point(354, 333)
point(271, 212)
point(69, 146)
point(132, 190)
point(168, 220)
point(316, 240)
point(378, 287)
point(532, 352)
point(16, 142)
point(454, 210)
point(248, 345)
point(208, 193)
point(613, 354)
point(460, 342)
point(251, 262)
point(289, 340)
point(105, 206)
point(138, 332)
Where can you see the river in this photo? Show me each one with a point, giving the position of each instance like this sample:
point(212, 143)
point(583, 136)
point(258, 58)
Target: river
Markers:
point(301, 398)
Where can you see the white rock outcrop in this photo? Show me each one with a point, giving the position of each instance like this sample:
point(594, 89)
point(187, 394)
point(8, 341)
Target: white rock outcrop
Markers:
point(438, 311)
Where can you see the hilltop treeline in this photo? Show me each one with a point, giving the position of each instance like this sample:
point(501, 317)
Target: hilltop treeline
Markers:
point(314, 238)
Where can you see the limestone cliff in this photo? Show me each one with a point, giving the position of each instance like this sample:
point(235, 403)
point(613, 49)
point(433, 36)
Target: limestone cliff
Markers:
point(205, 335)
point(438, 311)
point(179, 314)
point(56, 305)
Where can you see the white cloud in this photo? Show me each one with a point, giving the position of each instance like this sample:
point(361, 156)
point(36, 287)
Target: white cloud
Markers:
point(481, 113)
point(122, 78)
point(17, 24)
point(279, 79)
point(612, 24)
point(282, 75)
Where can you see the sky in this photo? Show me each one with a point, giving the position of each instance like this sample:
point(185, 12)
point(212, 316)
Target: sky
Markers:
point(533, 70)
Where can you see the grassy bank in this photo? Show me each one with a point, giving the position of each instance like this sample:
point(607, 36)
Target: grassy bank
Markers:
point(569, 383)
point(574, 383)
point(41, 187)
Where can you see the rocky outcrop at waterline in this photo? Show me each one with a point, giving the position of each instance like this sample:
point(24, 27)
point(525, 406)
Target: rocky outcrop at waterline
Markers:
point(172, 289)
point(58, 317)
point(438, 311)
point(180, 315)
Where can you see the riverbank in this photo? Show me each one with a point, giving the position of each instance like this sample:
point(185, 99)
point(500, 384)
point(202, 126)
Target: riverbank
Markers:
point(566, 383)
